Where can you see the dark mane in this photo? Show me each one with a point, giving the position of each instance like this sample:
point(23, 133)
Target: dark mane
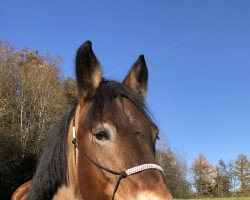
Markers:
point(106, 92)
point(51, 171)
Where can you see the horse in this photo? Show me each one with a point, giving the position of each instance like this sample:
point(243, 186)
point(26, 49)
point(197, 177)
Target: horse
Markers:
point(104, 147)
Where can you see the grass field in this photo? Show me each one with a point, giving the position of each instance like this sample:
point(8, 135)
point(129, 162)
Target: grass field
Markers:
point(229, 198)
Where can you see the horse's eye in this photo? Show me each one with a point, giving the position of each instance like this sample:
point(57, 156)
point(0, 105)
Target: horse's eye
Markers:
point(102, 135)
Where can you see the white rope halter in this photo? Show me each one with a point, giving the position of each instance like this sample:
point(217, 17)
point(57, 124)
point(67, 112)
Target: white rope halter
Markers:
point(132, 170)
point(143, 167)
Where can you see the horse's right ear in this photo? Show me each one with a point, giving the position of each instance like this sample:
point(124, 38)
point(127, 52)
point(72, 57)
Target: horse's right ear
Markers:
point(88, 71)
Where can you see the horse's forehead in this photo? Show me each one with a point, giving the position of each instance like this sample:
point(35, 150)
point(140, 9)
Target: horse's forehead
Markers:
point(131, 112)
point(125, 108)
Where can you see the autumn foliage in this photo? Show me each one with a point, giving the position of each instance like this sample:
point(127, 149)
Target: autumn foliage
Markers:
point(222, 180)
point(32, 99)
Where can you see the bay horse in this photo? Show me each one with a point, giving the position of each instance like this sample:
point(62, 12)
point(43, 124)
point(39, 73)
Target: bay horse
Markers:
point(104, 148)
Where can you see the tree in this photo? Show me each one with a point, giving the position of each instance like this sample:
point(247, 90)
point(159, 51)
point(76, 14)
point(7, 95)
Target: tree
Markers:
point(70, 89)
point(222, 182)
point(175, 172)
point(40, 97)
point(242, 172)
point(32, 100)
point(203, 174)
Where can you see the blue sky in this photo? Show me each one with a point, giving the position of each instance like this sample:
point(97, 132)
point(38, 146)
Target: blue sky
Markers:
point(198, 55)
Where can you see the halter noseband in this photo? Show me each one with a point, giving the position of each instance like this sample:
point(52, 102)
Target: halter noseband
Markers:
point(121, 174)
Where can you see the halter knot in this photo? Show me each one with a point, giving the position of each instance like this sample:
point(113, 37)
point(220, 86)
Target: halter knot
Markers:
point(123, 174)
point(74, 140)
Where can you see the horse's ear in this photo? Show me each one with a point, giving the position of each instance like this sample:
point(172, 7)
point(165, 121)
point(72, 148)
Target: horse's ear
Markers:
point(137, 78)
point(88, 71)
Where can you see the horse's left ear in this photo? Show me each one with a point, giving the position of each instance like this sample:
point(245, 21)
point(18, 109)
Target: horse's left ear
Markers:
point(88, 71)
point(137, 78)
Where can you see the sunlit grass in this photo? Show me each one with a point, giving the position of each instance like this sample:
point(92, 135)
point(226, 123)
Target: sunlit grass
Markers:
point(228, 198)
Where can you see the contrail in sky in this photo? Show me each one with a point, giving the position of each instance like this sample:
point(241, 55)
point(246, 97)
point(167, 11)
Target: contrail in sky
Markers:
point(166, 48)
point(176, 44)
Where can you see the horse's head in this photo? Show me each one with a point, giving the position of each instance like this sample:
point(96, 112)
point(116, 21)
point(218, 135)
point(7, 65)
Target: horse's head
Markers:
point(114, 130)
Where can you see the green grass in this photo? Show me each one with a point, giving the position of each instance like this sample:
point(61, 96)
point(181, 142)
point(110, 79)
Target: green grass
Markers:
point(228, 198)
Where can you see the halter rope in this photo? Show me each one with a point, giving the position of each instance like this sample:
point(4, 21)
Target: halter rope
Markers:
point(121, 174)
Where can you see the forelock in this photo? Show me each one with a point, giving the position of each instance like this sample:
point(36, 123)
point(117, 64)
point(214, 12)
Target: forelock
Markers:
point(104, 101)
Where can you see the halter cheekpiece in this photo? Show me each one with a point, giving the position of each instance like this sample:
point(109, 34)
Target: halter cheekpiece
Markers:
point(121, 174)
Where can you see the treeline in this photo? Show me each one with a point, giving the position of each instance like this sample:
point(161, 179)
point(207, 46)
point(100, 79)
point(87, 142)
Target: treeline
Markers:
point(34, 96)
point(202, 179)
point(222, 180)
